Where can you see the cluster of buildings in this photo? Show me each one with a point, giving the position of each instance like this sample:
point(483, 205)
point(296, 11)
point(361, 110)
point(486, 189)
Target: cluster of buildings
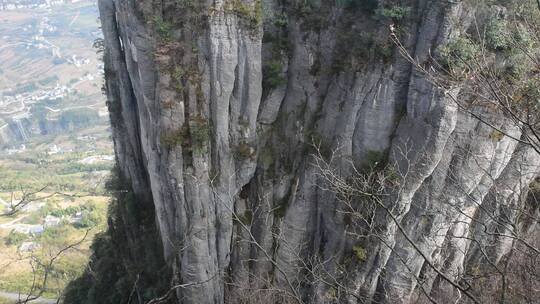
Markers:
point(28, 246)
point(58, 92)
point(41, 43)
point(54, 149)
point(45, 26)
point(86, 138)
point(38, 40)
point(6, 5)
point(11, 104)
point(34, 230)
point(28, 229)
point(78, 62)
point(17, 150)
point(7, 100)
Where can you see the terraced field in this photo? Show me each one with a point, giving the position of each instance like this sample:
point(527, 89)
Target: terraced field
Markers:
point(49, 70)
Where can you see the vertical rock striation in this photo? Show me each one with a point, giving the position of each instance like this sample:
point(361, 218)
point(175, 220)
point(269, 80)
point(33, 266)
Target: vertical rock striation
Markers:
point(216, 107)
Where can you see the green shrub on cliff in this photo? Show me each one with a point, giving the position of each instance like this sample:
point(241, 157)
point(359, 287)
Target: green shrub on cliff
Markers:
point(193, 135)
point(360, 253)
point(252, 14)
point(174, 138)
point(200, 133)
point(394, 12)
point(497, 34)
point(459, 54)
point(273, 75)
point(163, 29)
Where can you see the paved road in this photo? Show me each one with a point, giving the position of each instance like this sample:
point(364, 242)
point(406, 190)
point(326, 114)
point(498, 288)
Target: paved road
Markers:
point(16, 296)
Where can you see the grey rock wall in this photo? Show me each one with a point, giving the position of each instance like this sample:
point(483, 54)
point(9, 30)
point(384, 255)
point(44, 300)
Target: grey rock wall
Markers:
point(228, 165)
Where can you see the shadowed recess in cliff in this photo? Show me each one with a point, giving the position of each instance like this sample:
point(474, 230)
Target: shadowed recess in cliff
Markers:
point(127, 261)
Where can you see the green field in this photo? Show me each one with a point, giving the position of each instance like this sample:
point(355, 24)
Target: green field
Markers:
point(70, 185)
point(24, 268)
point(81, 193)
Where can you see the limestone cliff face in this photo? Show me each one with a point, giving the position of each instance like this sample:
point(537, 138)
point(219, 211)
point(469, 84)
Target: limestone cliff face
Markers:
point(215, 107)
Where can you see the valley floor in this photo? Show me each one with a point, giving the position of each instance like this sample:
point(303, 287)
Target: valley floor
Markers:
point(7, 297)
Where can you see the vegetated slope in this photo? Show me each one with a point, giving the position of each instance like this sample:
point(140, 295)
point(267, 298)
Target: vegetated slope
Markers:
point(290, 152)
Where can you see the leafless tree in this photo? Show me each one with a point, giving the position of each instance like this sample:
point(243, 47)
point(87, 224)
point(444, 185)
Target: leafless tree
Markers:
point(502, 76)
point(43, 265)
point(368, 190)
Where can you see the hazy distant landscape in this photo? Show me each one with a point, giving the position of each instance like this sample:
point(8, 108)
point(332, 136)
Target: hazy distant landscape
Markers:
point(55, 148)
point(50, 76)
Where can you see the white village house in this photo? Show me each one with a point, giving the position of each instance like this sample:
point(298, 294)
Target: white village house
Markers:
point(28, 246)
point(51, 221)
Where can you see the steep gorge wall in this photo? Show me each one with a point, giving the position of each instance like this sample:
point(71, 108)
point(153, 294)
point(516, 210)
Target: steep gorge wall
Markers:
point(215, 110)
